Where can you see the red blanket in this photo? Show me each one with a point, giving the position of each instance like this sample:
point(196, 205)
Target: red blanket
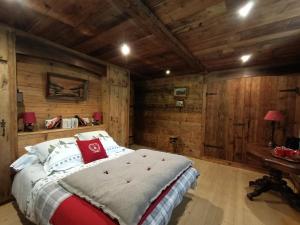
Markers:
point(76, 211)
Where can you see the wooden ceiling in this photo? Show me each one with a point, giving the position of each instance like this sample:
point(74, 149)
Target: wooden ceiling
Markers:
point(185, 36)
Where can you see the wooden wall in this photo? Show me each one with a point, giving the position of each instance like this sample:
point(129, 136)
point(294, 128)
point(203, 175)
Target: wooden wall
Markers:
point(131, 113)
point(8, 110)
point(221, 115)
point(108, 92)
point(31, 80)
point(235, 109)
point(117, 99)
point(157, 118)
point(32, 138)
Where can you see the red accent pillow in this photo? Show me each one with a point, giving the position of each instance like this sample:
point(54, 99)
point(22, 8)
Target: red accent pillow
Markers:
point(91, 150)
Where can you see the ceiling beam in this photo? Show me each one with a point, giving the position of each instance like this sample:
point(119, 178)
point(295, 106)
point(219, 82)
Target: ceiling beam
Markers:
point(45, 9)
point(145, 18)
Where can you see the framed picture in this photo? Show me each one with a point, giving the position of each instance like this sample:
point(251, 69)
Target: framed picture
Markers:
point(180, 92)
point(66, 88)
point(180, 104)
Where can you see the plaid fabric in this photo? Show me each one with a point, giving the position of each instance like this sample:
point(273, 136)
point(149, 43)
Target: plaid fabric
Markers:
point(52, 195)
point(47, 202)
point(162, 213)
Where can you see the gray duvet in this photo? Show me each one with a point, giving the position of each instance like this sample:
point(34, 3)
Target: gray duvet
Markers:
point(125, 187)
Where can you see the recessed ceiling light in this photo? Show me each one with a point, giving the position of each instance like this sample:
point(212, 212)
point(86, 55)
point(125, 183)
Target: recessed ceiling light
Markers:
point(245, 10)
point(125, 49)
point(168, 72)
point(246, 58)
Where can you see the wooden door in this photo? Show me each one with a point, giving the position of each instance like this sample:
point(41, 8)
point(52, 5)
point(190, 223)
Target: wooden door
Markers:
point(237, 118)
point(235, 111)
point(119, 91)
point(226, 119)
point(8, 111)
point(214, 136)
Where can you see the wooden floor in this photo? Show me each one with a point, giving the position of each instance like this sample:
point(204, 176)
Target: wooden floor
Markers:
point(218, 199)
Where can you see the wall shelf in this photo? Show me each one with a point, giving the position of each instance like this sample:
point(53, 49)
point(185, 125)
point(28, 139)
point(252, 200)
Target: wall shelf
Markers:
point(79, 129)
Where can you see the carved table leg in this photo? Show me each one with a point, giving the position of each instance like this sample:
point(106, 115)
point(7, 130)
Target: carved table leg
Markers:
point(275, 182)
point(260, 186)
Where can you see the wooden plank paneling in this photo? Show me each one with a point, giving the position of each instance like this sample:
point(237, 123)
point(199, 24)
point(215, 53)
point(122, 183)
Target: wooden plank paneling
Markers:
point(3, 47)
point(27, 45)
point(31, 76)
point(184, 32)
point(235, 114)
point(157, 118)
point(131, 113)
point(214, 139)
point(220, 115)
point(32, 138)
point(118, 98)
point(8, 112)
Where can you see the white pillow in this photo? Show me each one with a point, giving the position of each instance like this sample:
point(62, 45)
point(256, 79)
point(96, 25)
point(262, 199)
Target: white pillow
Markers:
point(42, 150)
point(107, 141)
point(92, 135)
point(63, 157)
point(24, 161)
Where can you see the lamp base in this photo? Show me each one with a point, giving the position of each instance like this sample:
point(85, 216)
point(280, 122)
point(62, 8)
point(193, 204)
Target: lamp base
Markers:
point(28, 127)
point(96, 122)
point(271, 144)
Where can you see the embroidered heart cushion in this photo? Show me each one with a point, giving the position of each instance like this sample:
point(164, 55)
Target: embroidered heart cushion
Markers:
point(91, 150)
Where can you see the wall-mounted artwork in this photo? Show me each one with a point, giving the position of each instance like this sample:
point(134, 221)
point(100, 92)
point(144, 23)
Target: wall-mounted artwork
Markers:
point(66, 88)
point(180, 104)
point(180, 92)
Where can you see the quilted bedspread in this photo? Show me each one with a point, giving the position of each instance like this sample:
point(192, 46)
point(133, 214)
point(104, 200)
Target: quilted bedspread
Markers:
point(125, 187)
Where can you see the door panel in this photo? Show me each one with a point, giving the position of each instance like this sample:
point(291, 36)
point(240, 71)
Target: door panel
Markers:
point(119, 89)
point(235, 111)
point(226, 123)
point(214, 141)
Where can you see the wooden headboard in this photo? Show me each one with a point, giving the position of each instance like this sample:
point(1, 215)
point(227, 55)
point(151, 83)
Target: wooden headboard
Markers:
point(32, 138)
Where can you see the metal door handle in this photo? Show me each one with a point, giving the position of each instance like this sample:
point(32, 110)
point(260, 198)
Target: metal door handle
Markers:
point(3, 124)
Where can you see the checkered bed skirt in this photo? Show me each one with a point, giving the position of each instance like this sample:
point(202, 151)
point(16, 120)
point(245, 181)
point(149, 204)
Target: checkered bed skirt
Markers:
point(52, 195)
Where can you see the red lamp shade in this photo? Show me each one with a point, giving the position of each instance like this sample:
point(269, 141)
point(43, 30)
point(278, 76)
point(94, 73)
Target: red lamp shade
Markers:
point(29, 117)
point(274, 116)
point(97, 116)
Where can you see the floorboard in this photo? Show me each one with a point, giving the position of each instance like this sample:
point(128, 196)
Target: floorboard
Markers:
point(219, 199)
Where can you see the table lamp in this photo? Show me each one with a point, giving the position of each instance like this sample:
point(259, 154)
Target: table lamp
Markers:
point(97, 118)
point(273, 116)
point(29, 120)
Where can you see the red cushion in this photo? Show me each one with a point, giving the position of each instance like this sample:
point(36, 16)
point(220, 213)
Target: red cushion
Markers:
point(91, 150)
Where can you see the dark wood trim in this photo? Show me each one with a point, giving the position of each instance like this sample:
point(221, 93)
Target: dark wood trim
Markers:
point(26, 45)
point(50, 44)
point(278, 70)
point(148, 21)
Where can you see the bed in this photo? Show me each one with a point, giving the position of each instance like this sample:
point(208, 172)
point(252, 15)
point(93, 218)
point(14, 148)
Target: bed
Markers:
point(44, 200)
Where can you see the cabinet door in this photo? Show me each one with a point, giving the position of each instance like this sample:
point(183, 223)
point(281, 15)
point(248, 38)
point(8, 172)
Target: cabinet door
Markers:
point(8, 115)
point(3, 45)
point(119, 89)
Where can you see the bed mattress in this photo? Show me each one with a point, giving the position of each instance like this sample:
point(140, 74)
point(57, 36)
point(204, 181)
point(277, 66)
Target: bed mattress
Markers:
point(44, 201)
